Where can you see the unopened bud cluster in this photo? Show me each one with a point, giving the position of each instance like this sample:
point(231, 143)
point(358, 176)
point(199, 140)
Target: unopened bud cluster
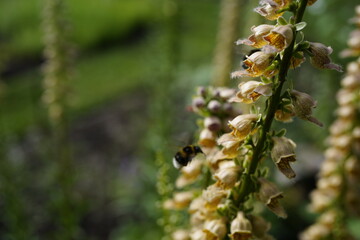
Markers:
point(337, 195)
point(213, 106)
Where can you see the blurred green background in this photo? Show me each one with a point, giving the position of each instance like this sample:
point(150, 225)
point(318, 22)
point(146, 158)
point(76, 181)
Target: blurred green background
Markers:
point(136, 66)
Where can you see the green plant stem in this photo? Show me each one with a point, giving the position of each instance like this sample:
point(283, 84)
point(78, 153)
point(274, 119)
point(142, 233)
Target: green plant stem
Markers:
point(246, 186)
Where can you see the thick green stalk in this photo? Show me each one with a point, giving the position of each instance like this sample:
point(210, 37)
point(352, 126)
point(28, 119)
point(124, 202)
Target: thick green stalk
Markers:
point(246, 186)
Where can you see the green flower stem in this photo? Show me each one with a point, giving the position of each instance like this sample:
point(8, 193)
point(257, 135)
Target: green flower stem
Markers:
point(246, 186)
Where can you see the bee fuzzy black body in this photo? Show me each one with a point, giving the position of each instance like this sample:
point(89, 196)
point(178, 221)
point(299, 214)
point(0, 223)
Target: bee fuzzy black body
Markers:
point(185, 155)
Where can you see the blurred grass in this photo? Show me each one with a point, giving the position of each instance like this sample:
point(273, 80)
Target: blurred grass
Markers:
point(91, 22)
point(102, 75)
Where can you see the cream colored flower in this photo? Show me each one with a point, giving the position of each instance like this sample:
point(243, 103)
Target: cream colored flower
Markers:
point(270, 9)
point(282, 153)
point(215, 229)
point(243, 125)
point(280, 37)
point(270, 195)
point(207, 138)
point(181, 234)
point(256, 40)
point(198, 234)
point(257, 64)
point(190, 172)
point(240, 228)
point(230, 145)
point(351, 81)
point(183, 199)
point(213, 196)
point(321, 57)
point(250, 91)
point(227, 175)
point(303, 105)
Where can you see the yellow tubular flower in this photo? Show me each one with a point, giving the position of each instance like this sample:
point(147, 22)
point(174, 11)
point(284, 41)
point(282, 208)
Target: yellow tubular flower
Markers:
point(242, 125)
point(282, 153)
point(280, 37)
point(240, 228)
point(207, 138)
point(250, 91)
point(213, 196)
point(257, 64)
point(256, 40)
point(227, 176)
point(215, 229)
point(270, 8)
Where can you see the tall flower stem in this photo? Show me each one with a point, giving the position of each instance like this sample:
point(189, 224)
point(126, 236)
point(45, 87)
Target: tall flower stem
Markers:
point(246, 186)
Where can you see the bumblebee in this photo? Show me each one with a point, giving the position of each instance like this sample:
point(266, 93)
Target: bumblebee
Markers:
point(185, 155)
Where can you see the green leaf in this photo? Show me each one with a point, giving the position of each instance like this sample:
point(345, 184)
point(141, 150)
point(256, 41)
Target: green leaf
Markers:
point(300, 26)
point(282, 21)
point(281, 133)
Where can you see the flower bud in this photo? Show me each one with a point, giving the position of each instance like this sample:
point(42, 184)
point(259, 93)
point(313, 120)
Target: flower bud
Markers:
point(240, 228)
point(201, 91)
point(321, 57)
point(280, 37)
point(282, 153)
point(198, 102)
point(270, 195)
point(214, 106)
point(212, 123)
point(242, 125)
point(303, 105)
